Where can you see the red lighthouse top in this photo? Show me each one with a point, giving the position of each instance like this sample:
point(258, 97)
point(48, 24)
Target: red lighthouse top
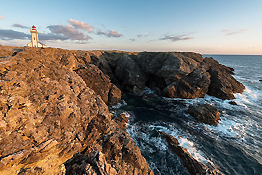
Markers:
point(33, 27)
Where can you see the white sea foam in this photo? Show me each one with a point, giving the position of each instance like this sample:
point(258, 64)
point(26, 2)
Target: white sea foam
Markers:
point(249, 96)
point(119, 105)
point(227, 128)
point(146, 91)
point(184, 141)
point(197, 154)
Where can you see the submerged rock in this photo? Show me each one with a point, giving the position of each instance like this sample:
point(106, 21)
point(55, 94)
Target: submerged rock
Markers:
point(205, 113)
point(232, 103)
point(193, 166)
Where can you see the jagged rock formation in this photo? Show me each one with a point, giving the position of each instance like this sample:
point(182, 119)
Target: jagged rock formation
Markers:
point(193, 166)
point(50, 117)
point(54, 117)
point(205, 113)
point(172, 74)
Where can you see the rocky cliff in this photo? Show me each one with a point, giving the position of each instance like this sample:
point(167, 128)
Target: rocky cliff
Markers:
point(54, 116)
point(171, 74)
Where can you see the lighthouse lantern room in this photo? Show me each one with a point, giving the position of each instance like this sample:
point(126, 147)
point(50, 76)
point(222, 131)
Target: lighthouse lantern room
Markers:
point(34, 39)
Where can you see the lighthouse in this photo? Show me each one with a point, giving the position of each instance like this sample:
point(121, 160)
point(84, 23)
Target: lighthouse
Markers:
point(34, 39)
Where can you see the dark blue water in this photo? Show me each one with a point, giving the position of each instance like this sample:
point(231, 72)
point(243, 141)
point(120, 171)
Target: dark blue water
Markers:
point(233, 147)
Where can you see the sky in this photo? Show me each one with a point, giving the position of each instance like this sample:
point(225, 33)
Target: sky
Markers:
point(202, 26)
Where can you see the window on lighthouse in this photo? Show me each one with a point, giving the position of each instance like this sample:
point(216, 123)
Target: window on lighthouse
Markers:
point(34, 38)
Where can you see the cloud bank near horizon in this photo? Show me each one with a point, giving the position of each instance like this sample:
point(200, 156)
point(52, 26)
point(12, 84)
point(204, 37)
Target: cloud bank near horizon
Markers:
point(233, 32)
point(75, 31)
point(175, 38)
point(11, 35)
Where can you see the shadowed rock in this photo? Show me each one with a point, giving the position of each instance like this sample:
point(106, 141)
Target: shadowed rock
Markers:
point(223, 84)
point(205, 113)
point(100, 83)
point(129, 73)
point(164, 68)
point(172, 74)
point(194, 85)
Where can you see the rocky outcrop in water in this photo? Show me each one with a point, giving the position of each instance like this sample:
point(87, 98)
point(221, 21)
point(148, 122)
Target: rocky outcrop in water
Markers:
point(223, 84)
point(172, 74)
point(54, 118)
point(193, 166)
point(205, 113)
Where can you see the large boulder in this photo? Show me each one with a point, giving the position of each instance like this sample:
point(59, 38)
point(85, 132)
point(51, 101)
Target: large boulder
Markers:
point(194, 85)
point(223, 85)
point(193, 166)
point(205, 113)
point(48, 115)
point(209, 78)
point(165, 68)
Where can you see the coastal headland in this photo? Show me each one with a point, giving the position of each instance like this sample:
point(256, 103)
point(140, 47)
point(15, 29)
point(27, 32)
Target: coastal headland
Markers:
point(54, 105)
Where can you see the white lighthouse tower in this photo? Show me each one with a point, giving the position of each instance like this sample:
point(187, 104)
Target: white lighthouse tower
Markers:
point(34, 39)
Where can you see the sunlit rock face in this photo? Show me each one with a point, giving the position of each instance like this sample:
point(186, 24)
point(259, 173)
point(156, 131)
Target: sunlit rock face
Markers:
point(51, 114)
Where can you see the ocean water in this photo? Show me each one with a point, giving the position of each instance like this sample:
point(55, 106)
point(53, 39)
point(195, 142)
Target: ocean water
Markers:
point(233, 147)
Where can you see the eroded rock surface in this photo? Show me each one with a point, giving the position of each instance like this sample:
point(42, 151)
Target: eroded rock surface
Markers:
point(48, 114)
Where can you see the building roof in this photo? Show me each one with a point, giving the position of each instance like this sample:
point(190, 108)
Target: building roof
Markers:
point(33, 27)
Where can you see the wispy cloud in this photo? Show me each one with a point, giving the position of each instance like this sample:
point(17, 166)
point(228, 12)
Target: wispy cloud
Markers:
point(233, 32)
point(20, 26)
point(113, 33)
point(110, 33)
point(100, 32)
point(176, 37)
point(131, 39)
point(142, 35)
point(81, 25)
point(1, 17)
point(11, 35)
point(68, 31)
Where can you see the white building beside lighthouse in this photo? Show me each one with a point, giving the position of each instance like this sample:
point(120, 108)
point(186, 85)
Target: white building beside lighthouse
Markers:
point(34, 39)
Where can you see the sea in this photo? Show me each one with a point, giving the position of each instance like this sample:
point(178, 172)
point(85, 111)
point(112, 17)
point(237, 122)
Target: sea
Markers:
point(233, 147)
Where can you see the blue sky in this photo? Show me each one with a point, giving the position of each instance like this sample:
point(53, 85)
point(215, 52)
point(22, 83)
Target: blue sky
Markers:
point(204, 26)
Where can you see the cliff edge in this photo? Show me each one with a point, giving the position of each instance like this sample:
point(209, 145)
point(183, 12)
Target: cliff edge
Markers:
point(54, 118)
